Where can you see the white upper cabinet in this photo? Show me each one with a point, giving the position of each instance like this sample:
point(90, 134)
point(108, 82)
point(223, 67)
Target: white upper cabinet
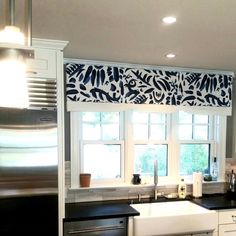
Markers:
point(43, 65)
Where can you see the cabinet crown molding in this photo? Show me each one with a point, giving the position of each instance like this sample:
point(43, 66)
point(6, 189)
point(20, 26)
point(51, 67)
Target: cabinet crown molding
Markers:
point(49, 44)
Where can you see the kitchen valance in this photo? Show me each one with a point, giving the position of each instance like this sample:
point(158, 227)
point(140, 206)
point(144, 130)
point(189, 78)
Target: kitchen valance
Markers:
point(105, 85)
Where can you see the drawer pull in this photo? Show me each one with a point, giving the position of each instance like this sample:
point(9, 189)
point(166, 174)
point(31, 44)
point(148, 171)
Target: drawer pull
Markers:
point(234, 218)
point(96, 229)
point(31, 72)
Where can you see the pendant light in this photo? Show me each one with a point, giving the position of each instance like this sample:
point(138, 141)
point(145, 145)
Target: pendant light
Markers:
point(14, 50)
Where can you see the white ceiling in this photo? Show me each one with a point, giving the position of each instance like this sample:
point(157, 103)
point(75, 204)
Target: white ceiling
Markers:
point(204, 35)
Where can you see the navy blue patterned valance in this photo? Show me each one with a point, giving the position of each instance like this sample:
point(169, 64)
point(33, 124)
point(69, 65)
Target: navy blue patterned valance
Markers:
point(111, 84)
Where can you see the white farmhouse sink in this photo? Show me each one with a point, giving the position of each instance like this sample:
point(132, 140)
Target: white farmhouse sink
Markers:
point(166, 218)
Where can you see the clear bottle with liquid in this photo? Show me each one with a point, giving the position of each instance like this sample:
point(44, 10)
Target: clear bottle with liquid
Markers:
point(214, 169)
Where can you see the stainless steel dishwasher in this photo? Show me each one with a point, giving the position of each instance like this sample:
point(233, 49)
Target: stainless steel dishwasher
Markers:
point(98, 227)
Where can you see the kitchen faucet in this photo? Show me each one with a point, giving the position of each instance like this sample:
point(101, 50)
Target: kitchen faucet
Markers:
point(155, 179)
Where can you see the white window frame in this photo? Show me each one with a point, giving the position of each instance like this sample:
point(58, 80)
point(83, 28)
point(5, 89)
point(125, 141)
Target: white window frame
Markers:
point(209, 140)
point(217, 140)
point(132, 143)
point(76, 151)
point(127, 159)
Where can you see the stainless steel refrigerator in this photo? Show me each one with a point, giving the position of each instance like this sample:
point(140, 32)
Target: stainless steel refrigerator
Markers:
point(28, 172)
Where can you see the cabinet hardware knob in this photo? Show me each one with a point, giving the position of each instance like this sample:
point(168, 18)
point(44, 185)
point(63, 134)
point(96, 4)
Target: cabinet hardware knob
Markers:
point(234, 217)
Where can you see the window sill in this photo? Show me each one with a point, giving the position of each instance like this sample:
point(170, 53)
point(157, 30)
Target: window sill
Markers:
point(113, 186)
point(124, 186)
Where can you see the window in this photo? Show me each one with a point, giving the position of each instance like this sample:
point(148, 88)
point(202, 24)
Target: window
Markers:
point(100, 125)
point(196, 139)
point(149, 137)
point(145, 155)
point(147, 125)
point(193, 127)
point(101, 145)
point(194, 157)
point(113, 146)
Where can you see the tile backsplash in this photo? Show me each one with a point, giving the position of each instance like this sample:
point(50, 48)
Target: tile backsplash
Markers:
point(128, 192)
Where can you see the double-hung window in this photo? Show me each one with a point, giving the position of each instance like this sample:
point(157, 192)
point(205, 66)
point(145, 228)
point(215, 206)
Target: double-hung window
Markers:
point(150, 142)
point(101, 146)
point(196, 141)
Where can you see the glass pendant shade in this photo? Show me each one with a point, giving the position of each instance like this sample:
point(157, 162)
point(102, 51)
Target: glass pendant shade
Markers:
point(13, 84)
point(12, 34)
point(13, 55)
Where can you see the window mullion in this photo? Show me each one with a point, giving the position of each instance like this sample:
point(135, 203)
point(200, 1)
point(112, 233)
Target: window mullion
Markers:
point(193, 128)
point(221, 146)
point(101, 127)
point(129, 149)
point(149, 126)
point(121, 138)
point(174, 159)
point(75, 120)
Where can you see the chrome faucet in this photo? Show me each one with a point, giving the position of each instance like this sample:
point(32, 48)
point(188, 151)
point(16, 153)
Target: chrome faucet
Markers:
point(155, 179)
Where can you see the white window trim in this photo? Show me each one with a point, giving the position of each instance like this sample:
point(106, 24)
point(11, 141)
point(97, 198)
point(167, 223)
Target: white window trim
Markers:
point(75, 168)
point(128, 157)
point(220, 149)
point(131, 142)
point(76, 151)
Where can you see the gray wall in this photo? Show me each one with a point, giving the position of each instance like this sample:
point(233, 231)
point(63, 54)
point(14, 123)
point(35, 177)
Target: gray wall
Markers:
point(231, 128)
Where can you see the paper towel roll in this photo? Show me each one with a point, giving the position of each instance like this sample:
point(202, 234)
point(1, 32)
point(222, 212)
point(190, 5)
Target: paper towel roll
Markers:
point(197, 184)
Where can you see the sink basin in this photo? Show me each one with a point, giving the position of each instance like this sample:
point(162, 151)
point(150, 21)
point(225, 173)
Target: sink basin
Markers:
point(177, 217)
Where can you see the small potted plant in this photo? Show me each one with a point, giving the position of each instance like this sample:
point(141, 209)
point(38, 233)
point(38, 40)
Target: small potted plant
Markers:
point(84, 179)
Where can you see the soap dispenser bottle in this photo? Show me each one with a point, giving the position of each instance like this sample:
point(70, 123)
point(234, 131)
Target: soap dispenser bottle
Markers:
point(182, 189)
point(214, 169)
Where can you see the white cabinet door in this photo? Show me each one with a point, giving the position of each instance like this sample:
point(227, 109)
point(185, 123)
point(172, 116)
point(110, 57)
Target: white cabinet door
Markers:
point(43, 65)
point(227, 230)
point(227, 216)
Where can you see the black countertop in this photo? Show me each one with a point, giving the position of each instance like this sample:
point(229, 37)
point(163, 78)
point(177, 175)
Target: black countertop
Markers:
point(113, 209)
point(217, 201)
point(101, 210)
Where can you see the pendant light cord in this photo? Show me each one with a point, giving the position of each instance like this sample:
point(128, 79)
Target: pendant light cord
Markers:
point(28, 18)
point(29, 22)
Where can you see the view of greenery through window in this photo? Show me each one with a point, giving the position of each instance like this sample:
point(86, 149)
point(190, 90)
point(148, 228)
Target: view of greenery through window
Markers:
point(145, 156)
point(149, 128)
point(194, 157)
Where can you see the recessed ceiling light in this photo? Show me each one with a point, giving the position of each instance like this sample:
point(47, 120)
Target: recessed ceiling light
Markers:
point(169, 20)
point(170, 55)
